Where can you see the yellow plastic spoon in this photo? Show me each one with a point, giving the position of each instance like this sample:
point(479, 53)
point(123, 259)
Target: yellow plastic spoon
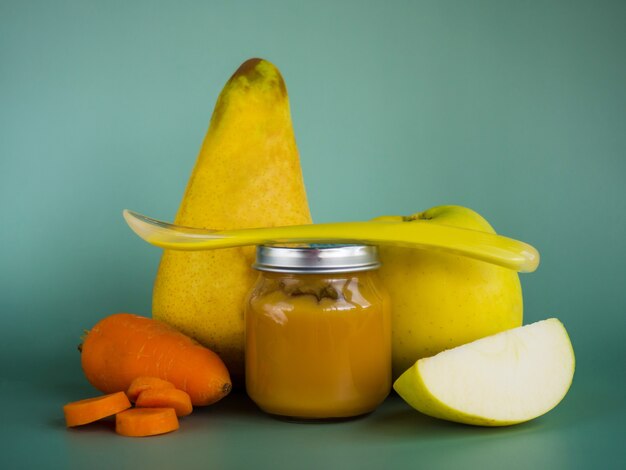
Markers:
point(483, 246)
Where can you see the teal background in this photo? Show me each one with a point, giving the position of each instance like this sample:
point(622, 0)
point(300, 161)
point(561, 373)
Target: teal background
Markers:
point(515, 109)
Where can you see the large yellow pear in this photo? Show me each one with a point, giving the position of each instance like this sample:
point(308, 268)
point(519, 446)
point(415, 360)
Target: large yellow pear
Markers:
point(247, 175)
point(441, 300)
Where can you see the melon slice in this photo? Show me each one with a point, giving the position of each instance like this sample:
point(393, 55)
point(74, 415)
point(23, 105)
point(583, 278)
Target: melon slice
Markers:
point(508, 378)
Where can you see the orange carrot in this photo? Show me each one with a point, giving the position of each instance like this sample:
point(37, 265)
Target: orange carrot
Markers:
point(141, 422)
point(122, 347)
point(93, 409)
point(166, 398)
point(141, 384)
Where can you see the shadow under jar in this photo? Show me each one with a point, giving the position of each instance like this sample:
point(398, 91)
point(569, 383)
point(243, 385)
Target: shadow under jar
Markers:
point(318, 332)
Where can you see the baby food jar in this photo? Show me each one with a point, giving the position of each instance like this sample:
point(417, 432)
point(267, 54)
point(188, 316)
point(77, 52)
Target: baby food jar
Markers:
point(318, 332)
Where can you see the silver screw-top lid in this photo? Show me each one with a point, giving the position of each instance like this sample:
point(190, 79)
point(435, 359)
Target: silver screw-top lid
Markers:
point(316, 258)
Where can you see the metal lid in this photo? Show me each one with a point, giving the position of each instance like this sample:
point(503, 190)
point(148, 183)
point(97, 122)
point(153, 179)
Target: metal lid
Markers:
point(316, 258)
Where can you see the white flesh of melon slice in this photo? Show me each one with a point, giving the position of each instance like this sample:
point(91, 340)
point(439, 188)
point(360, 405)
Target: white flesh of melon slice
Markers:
point(507, 378)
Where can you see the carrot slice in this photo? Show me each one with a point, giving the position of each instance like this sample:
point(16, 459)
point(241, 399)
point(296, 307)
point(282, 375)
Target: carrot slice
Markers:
point(166, 398)
point(141, 422)
point(92, 409)
point(143, 383)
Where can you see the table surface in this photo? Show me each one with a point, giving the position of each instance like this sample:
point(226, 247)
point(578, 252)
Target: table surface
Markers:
point(585, 431)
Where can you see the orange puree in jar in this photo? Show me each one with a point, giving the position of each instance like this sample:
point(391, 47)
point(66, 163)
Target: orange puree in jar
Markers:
point(318, 341)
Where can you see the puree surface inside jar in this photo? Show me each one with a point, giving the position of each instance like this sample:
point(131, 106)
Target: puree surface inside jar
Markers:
point(318, 345)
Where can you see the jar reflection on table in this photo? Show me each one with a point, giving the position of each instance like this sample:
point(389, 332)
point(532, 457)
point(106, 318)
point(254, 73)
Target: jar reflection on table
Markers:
point(318, 345)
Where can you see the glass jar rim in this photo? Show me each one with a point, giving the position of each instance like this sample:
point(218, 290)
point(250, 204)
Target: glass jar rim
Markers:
point(316, 258)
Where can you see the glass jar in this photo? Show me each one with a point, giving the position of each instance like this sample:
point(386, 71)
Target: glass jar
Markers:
point(318, 332)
